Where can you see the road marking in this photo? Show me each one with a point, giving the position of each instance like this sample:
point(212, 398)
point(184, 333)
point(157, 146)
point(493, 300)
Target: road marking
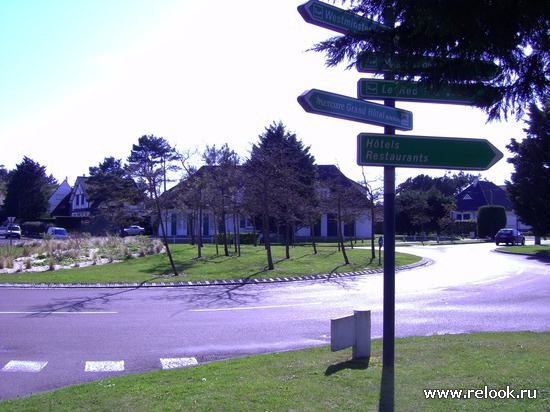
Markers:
point(104, 366)
point(481, 282)
point(175, 363)
point(54, 312)
point(23, 366)
point(97, 366)
point(255, 307)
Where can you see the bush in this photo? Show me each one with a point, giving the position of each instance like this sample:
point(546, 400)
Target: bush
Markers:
point(247, 238)
point(490, 219)
point(464, 227)
point(35, 229)
point(244, 238)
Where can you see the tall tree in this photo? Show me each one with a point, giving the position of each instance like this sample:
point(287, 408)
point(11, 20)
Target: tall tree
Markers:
point(3, 181)
point(222, 184)
point(28, 191)
point(529, 187)
point(113, 193)
point(148, 164)
point(280, 180)
point(344, 199)
point(424, 203)
point(373, 195)
point(460, 37)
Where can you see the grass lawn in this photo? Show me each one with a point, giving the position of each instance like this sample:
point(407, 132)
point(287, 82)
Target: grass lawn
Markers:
point(488, 365)
point(535, 250)
point(212, 266)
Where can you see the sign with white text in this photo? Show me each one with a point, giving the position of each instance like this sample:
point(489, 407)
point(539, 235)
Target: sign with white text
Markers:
point(426, 152)
point(332, 18)
point(348, 108)
point(376, 89)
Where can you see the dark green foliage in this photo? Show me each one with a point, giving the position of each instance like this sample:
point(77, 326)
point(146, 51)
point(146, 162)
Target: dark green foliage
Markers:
point(35, 229)
point(280, 182)
point(424, 203)
point(490, 219)
point(460, 36)
point(111, 191)
point(28, 191)
point(148, 164)
point(221, 180)
point(464, 227)
point(244, 238)
point(529, 188)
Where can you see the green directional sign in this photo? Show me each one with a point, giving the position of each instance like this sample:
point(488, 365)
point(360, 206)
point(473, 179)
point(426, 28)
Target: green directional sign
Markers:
point(348, 108)
point(332, 18)
point(368, 62)
point(426, 152)
point(376, 89)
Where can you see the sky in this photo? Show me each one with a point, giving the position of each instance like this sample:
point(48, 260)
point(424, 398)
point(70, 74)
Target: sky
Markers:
point(82, 80)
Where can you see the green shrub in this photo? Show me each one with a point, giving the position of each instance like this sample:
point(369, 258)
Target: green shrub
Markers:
point(244, 238)
point(490, 219)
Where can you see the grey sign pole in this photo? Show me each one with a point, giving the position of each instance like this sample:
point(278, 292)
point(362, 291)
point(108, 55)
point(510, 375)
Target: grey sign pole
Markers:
point(387, 394)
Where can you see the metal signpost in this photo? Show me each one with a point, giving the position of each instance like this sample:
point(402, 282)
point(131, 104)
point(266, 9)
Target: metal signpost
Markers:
point(388, 149)
point(377, 89)
point(348, 108)
point(426, 152)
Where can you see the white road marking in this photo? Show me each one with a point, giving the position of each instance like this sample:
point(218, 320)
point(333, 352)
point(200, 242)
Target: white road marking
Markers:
point(254, 307)
point(23, 366)
point(104, 366)
point(481, 282)
point(54, 312)
point(175, 363)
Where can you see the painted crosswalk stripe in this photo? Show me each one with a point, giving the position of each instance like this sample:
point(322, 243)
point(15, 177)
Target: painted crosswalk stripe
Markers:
point(174, 363)
point(104, 366)
point(23, 366)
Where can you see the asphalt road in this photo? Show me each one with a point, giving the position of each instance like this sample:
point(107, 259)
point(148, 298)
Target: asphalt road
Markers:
point(52, 338)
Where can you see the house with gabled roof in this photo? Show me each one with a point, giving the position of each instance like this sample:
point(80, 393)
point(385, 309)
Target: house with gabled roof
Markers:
point(180, 223)
point(483, 193)
point(59, 200)
point(80, 207)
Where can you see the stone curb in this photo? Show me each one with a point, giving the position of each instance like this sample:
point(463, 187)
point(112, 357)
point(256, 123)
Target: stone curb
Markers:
point(232, 282)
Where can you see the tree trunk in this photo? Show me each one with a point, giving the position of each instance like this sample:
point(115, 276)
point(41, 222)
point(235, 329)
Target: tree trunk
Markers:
point(312, 234)
point(267, 243)
point(199, 234)
point(287, 240)
point(163, 231)
point(341, 238)
point(237, 236)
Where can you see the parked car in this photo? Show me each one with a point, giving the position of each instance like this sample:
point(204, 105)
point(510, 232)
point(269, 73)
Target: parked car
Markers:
point(133, 231)
point(12, 231)
point(509, 236)
point(57, 233)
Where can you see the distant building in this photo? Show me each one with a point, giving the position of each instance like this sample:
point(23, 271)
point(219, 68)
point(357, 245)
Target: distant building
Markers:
point(483, 193)
point(181, 223)
point(80, 207)
point(59, 201)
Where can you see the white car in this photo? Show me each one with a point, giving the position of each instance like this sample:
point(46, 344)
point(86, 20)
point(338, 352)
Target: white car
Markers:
point(12, 231)
point(57, 233)
point(133, 231)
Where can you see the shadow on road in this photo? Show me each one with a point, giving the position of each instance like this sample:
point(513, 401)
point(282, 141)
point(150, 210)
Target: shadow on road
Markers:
point(82, 303)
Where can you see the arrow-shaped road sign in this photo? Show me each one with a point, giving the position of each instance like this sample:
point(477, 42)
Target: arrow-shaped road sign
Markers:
point(426, 152)
point(368, 62)
point(332, 18)
point(348, 108)
point(376, 89)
